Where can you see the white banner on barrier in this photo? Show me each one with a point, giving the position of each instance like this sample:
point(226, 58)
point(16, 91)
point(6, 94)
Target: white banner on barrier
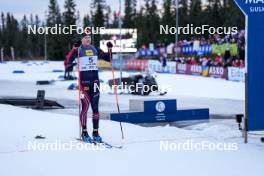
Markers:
point(154, 65)
point(170, 68)
point(157, 67)
point(236, 74)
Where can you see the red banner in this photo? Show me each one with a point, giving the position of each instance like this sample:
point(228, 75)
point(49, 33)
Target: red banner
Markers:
point(181, 68)
point(195, 69)
point(189, 69)
point(218, 72)
point(137, 64)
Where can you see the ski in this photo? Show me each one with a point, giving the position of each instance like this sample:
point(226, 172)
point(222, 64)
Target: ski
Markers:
point(110, 146)
point(106, 144)
point(162, 93)
point(93, 142)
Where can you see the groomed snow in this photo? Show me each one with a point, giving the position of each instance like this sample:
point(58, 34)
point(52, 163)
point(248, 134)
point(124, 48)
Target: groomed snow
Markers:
point(141, 153)
point(190, 91)
point(180, 85)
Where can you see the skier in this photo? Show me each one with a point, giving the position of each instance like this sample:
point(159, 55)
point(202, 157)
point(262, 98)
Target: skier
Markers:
point(89, 85)
point(69, 61)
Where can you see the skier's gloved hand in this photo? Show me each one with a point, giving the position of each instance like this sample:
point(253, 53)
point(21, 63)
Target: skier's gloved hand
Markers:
point(109, 45)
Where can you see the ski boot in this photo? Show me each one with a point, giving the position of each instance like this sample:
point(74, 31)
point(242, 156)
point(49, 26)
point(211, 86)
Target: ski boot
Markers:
point(86, 137)
point(96, 137)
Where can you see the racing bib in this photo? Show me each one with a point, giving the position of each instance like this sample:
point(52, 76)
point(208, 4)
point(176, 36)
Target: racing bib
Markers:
point(88, 63)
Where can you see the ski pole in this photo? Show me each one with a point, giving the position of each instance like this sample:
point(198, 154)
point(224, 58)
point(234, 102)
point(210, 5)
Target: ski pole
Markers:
point(115, 89)
point(79, 93)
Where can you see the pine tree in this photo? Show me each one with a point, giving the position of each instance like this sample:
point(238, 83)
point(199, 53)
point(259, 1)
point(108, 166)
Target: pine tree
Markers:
point(98, 19)
point(2, 39)
point(54, 16)
point(168, 19)
point(55, 45)
point(183, 15)
point(232, 15)
point(212, 13)
point(130, 14)
point(195, 12)
point(69, 18)
point(107, 16)
point(39, 41)
point(1, 42)
point(86, 21)
point(115, 20)
point(32, 40)
point(23, 40)
point(139, 25)
point(147, 24)
point(10, 33)
point(152, 22)
point(3, 20)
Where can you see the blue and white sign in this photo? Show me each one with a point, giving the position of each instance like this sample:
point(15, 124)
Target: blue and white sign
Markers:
point(236, 74)
point(161, 111)
point(160, 106)
point(254, 12)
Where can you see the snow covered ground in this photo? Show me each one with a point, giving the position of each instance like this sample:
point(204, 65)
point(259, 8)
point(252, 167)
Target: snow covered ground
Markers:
point(181, 85)
point(190, 91)
point(208, 148)
point(141, 153)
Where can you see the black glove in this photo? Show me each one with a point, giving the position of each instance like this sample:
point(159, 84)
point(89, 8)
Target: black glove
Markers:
point(109, 45)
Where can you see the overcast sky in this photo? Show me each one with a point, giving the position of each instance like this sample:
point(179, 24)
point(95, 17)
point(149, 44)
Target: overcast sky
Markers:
point(20, 7)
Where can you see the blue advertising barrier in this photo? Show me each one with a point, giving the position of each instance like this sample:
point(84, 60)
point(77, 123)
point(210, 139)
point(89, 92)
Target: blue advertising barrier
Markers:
point(254, 12)
point(18, 71)
point(161, 111)
point(187, 49)
point(61, 77)
point(73, 86)
point(57, 71)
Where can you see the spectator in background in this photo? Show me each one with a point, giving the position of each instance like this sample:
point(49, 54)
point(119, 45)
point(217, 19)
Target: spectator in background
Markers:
point(241, 52)
point(188, 61)
point(69, 61)
point(241, 45)
point(219, 60)
point(242, 63)
point(204, 61)
point(193, 61)
point(180, 60)
point(236, 63)
point(210, 62)
point(228, 63)
point(189, 49)
point(163, 60)
point(227, 54)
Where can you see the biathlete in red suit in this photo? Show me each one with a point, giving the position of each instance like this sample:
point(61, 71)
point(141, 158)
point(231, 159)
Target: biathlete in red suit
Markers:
point(88, 56)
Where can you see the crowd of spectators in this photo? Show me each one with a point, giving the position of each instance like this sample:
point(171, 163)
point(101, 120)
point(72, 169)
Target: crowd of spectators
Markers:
point(223, 60)
point(216, 61)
